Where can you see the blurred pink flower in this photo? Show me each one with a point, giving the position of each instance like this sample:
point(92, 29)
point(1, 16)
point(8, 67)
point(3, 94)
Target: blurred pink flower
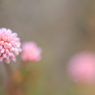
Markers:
point(9, 45)
point(81, 68)
point(30, 52)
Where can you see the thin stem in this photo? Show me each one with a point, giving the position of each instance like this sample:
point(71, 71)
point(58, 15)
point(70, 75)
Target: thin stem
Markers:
point(8, 70)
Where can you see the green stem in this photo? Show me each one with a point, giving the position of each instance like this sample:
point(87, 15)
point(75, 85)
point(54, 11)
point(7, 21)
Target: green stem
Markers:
point(8, 70)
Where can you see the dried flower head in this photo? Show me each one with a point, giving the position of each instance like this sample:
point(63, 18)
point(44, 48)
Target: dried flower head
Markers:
point(9, 45)
point(30, 52)
point(81, 68)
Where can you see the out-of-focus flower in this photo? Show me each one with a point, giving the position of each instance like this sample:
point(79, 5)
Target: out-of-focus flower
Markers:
point(81, 68)
point(30, 52)
point(9, 45)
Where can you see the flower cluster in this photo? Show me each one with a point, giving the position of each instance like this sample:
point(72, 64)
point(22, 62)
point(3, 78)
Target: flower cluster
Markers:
point(9, 45)
point(30, 52)
point(81, 68)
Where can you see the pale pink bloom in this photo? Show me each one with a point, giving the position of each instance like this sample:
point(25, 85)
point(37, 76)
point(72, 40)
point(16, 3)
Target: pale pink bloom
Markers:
point(81, 68)
point(30, 52)
point(9, 45)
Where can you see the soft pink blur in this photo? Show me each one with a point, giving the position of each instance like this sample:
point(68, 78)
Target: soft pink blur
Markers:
point(9, 45)
point(81, 68)
point(30, 52)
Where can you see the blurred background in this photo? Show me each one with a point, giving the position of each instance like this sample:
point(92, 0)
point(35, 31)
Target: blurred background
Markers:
point(61, 28)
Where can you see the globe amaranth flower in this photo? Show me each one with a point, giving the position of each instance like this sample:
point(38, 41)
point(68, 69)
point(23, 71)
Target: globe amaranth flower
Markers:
point(30, 52)
point(9, 45)
point(81, 68)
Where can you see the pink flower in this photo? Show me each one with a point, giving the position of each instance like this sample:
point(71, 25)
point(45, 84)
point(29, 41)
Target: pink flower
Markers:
point(81, 68)
point(30, 52)
point(9, 45)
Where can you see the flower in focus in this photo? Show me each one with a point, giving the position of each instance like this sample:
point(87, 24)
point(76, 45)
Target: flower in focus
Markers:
point(30, 52)
point(81, 68)
point(9, 45)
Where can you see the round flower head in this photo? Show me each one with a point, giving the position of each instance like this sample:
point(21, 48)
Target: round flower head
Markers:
point(9, 45)
point(30, 52)
point(81, 68)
